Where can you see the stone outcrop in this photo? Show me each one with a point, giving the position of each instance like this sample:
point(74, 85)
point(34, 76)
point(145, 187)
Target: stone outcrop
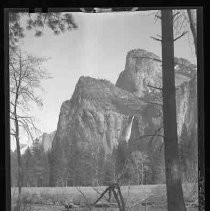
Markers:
point(95, 114)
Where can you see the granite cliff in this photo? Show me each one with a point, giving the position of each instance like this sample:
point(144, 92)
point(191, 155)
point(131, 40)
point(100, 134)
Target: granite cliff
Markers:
point(98, 110)
point(46, 140)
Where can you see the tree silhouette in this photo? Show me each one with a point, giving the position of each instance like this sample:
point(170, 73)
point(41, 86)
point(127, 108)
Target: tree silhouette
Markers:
point(58, 22)
point(25, 74)
point(172, 164)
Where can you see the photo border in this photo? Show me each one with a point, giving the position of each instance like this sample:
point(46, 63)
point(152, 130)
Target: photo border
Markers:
point(200, 92)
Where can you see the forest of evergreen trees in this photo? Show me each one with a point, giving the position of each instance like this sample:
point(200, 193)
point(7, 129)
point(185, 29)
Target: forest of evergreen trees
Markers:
point(92, 167)
point(35, 167)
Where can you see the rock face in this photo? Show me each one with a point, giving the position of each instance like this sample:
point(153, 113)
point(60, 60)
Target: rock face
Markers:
point(142, 74)
point(98, 111)
point(46, 140)
point(142, 68)
point(89, 121)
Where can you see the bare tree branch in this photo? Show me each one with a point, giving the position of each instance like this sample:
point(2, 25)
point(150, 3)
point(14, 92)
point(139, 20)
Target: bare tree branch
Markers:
point(96, 190)
point(183, 33)
point(26, 72)
point(154, 87)
point(154, 38)
point(174, 15)
point(26, 128)
point(157, 16)
point(155, 134)
point(87, 201)
point(152, 135)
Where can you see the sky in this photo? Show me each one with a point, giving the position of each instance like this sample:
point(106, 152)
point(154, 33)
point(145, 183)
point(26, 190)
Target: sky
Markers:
point(98, 49)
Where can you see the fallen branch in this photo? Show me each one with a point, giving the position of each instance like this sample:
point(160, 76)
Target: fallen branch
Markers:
point(88, 203)
point(104, 192)
point(128, 193)
point(121, 197)
point(117, 199)
point(108, 199)
point(111, 188)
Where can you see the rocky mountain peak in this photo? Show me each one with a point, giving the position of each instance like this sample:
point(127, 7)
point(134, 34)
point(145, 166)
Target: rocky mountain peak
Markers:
point(142, 68)
point(96, 114)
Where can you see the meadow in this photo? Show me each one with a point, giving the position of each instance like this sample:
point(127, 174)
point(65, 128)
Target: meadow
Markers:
point(137, 198)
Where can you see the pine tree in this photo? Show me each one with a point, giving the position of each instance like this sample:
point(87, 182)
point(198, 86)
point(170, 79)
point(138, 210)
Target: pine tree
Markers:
point(14, 168)
point(40, 164)
point(28, 168)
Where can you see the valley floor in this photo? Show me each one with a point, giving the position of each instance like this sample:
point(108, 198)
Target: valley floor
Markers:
point(137, 198)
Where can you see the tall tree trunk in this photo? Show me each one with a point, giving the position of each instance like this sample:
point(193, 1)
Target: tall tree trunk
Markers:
point(193, 26)
point(142, 173)
point(172, 167)
point(19, 163)
point(18, 157)
point(18, 153)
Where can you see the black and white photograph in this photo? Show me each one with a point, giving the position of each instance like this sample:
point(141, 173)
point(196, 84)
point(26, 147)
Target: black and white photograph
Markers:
point(103, 110)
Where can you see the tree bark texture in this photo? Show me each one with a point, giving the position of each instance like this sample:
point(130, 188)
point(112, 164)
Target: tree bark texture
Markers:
point(172, 167)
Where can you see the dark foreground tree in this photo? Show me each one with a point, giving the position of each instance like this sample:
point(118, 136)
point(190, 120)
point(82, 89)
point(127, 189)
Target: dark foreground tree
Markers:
point(56, 21)
point(172, 165)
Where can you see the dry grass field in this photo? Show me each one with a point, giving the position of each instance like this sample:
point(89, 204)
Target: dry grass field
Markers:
point(55, 198)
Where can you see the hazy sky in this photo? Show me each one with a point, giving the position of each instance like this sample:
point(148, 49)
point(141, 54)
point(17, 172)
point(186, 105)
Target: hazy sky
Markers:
point(97, 48)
